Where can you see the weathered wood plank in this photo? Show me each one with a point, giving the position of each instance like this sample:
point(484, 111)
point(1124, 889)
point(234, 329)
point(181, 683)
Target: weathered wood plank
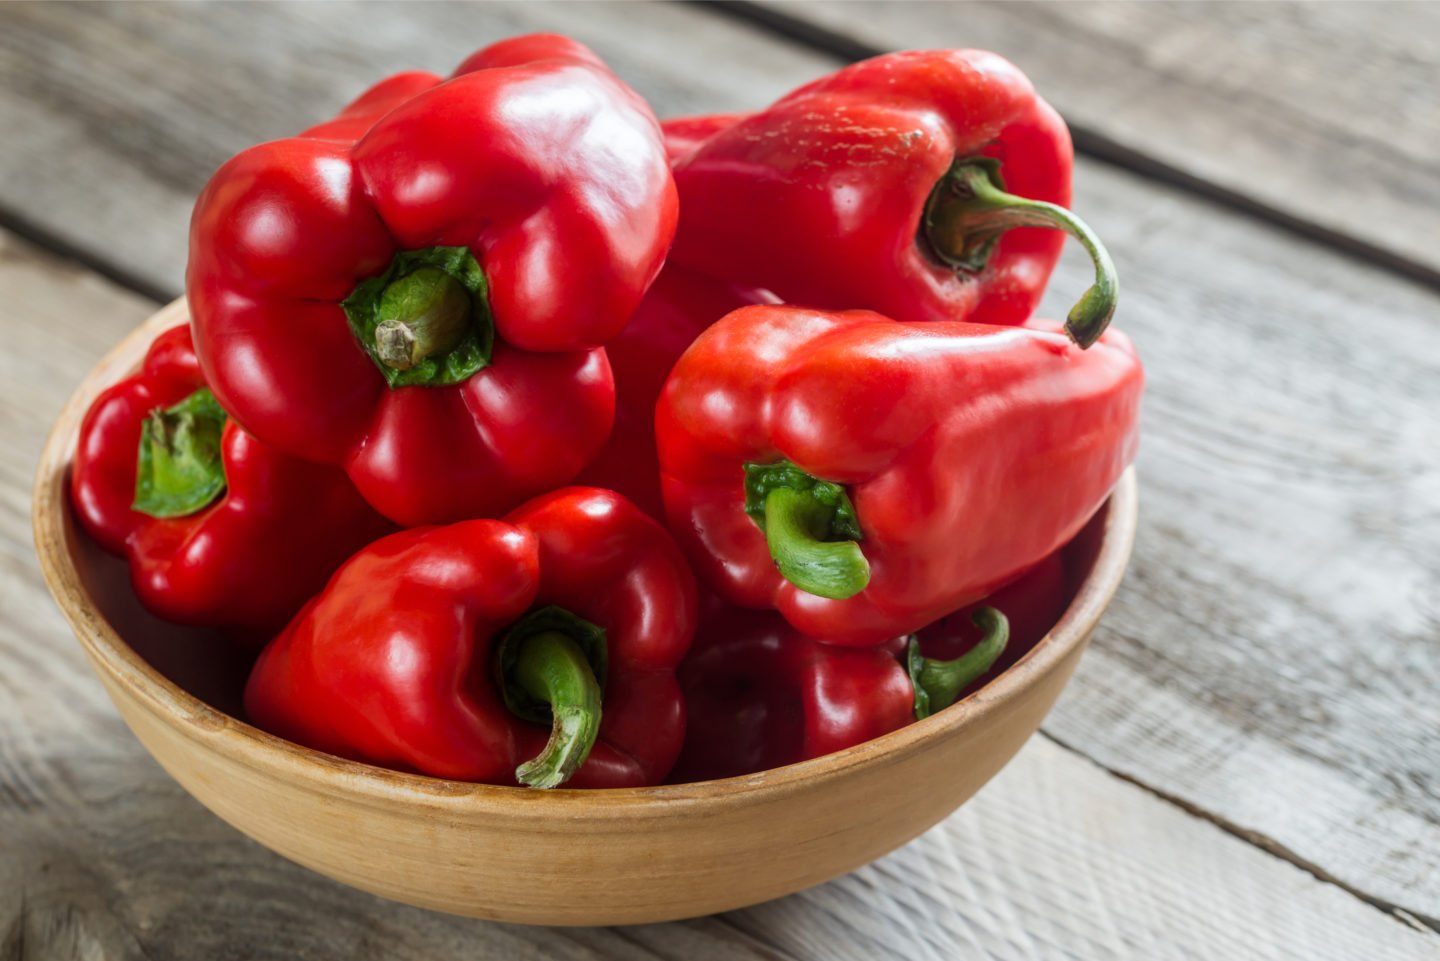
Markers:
point(1323, 112)
point(120, 112)
point(1269, 658)
point(102, 855)
point(1057, 859)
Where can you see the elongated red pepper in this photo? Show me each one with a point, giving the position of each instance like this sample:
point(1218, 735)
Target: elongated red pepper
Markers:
point(417, 289)
point(866, 477)
point(219, 529)
point(906, 184)
point(539, 648)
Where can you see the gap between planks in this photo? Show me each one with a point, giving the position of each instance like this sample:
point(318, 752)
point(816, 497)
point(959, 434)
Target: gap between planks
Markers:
point(16, 223)
point(1097, 146)
point(1256, 839)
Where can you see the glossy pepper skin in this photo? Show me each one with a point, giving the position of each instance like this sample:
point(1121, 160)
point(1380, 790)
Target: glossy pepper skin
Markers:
point(893, 185)
point(415, 655)
point(761, 695)
point(1033, 604)
point(418, 289)
point(680, 305)
point(260, 536)
point(900, 471)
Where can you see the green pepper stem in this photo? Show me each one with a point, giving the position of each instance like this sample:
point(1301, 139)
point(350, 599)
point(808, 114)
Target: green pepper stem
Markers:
point(180, 468)
point(939, 683)
point(551, 668)
point(969, 211)
point(421, 314)
point(795, 525)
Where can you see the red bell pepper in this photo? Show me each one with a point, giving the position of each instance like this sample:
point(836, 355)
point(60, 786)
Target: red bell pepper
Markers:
point(896, 184)
point(218, 528)
point(866, 477)
point(1033, 604)
point(417, 290)
point(761, 694)
point(678, 307)
point(547, 640)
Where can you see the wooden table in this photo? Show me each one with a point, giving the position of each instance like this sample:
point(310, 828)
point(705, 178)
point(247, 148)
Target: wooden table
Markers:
point(1248, 762)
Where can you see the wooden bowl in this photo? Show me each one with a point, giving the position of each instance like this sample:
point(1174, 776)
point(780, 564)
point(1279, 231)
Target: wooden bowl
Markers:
point(557, 857)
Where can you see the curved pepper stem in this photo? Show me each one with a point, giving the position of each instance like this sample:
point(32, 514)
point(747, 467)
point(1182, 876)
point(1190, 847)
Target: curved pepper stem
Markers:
point(180, 468)
point(551, 668)
point(422, 314)
point(810, 527)
point(795, 525)
point(969, 211)
point(939, 683)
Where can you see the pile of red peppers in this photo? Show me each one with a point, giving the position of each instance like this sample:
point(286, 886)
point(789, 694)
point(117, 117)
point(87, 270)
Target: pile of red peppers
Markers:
point(525, 439)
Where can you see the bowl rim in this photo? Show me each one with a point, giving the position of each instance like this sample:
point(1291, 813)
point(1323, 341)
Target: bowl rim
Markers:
point(238, 741)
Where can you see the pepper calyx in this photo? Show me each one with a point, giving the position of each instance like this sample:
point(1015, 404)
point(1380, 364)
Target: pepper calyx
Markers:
point(552, 666)
point(811, 528)
point(180, 468)
point(425, 320)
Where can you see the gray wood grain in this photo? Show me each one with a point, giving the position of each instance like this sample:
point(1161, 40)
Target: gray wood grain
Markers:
point(119, 113)
point(103, 856)
point(1271, 659)
point(1323, 112)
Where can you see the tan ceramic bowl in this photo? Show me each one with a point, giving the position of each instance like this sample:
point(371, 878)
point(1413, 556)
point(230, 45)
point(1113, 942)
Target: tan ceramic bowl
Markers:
point(558, 857)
